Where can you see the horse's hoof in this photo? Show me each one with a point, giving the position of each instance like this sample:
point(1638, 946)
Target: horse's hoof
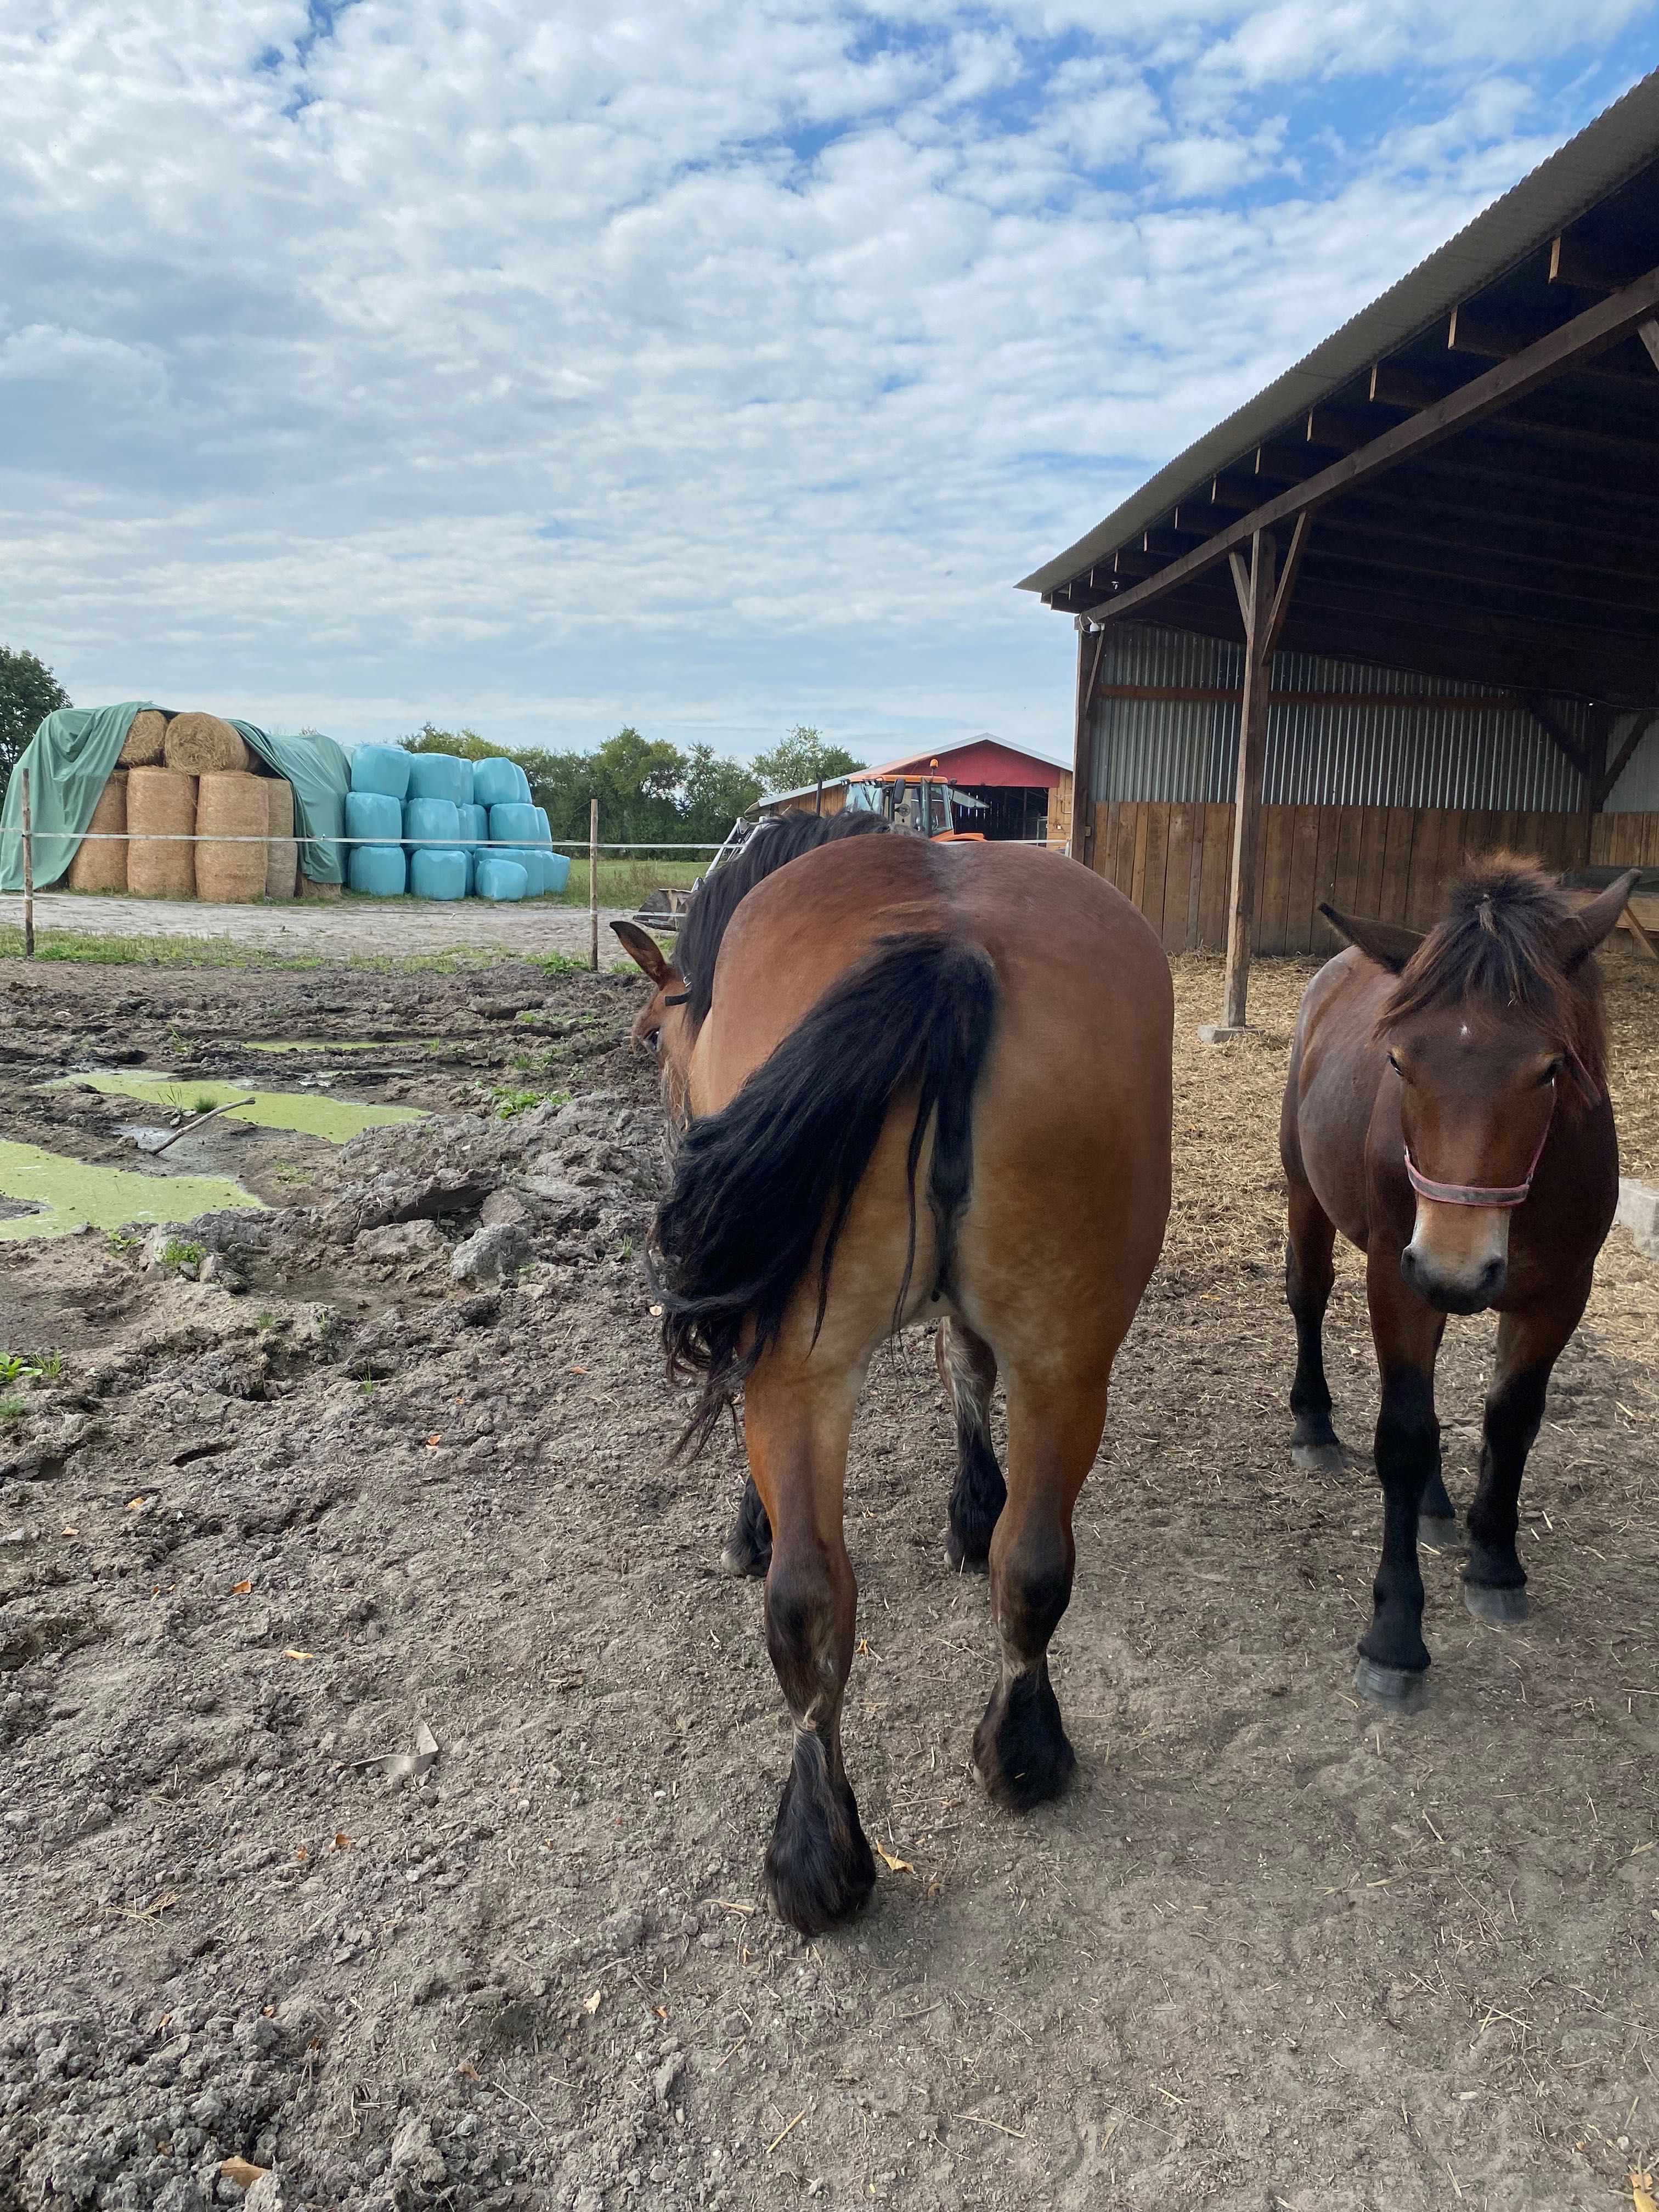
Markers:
point(1402, 1689)
point(742, 1560)
point(1020, 1748)
point(1486, 1602)
point(820, 1869)
point(1318, 1459)
point(1439, 1533)
point(972, 1556)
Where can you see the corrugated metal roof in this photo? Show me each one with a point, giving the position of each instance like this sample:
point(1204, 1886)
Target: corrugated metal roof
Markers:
point(1605, 154)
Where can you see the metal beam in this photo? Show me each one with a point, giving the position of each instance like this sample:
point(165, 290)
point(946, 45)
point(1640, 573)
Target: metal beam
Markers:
point(1590, 333)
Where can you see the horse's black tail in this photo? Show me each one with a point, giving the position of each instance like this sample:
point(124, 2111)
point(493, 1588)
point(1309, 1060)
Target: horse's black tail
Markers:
point(754, 1183)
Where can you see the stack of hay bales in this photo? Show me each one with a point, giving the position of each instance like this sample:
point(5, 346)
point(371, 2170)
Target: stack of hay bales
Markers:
point(231, 819)
point(100, 860)
point(145, 739)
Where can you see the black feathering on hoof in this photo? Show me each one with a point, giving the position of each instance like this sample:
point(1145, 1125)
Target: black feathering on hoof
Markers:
point(976, 1502)
point(1020, 1748)
point(819, 1866)
point(749, 1548)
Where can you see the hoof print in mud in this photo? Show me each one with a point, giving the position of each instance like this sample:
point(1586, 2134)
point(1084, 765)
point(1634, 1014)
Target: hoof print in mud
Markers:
point(1021, 1748)
point(819, 1866)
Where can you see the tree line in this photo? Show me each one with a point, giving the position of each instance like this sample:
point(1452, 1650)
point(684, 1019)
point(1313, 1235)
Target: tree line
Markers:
point(650, 791)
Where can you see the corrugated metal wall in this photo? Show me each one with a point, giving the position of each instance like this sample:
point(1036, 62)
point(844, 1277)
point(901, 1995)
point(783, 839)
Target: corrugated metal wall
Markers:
point(1637, 791)
point(1362, 752)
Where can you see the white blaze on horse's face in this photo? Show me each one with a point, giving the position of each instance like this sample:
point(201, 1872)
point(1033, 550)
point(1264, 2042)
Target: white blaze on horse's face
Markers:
point(1476, 1099)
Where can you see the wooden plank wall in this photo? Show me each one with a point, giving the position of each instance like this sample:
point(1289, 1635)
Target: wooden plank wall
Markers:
point(1172, 860)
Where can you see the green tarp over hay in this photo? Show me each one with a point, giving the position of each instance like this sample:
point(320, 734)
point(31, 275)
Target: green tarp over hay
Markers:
point(69, 759)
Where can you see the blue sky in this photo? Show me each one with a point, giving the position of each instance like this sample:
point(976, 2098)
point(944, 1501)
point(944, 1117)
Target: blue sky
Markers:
point(707, 367)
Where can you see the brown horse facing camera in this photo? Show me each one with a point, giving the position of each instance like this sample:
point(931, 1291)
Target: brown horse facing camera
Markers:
point(1447, 1110)
point(870, 1017)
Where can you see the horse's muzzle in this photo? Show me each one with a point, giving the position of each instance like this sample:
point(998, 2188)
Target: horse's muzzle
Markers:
point(1455, 1291)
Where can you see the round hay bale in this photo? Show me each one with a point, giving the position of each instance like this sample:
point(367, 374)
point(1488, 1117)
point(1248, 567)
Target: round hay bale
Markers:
point(202, 744)
point(310, 889)
point(101, 861)
point(161, 807)
point(231, 805)
point(145, 739)
point(282, 854)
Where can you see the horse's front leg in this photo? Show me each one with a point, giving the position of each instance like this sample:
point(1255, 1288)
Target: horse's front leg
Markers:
point(1528, 1345)
point(1393, 1659)
point(1308, 1276)
point(818, 1865)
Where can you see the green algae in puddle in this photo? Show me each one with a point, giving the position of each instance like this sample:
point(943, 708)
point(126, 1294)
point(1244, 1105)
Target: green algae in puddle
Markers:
point(309, 1112)
point(336, 1044)
point(70, 1192)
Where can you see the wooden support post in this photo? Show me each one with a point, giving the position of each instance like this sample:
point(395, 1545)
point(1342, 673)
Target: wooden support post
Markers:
point(593, 884)
point(28, 871)
point(1091, 645)
point(1252, 759)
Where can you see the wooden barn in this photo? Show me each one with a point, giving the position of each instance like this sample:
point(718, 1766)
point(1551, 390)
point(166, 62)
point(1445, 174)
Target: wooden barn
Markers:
point(1404, 605)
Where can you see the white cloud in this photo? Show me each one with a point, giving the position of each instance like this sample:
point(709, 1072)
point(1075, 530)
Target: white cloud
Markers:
point(706, 366)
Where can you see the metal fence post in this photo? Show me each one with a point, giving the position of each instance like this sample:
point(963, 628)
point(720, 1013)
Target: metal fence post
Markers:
point(29, 872)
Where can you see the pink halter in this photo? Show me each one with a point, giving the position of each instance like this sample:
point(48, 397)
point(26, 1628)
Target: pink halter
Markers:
point(1473, 1194)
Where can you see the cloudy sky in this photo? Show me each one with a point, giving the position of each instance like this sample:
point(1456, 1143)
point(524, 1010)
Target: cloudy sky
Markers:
point(708, 366)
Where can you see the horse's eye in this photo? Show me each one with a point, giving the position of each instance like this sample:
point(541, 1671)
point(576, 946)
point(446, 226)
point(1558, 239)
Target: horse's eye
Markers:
point(1393, 1062)
point(655, 1040)
point(1551, 1071)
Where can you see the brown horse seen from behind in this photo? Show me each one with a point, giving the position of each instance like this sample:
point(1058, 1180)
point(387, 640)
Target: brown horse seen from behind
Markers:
point(1447, 1111)
point(918, 1083)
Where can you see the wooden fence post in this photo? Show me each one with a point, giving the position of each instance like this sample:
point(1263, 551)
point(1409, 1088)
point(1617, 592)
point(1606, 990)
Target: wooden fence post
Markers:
point(28, 871)
point(593, 884)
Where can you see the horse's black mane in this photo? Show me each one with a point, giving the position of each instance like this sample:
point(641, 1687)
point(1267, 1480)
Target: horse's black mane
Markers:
point(783, 838)
point(1508, 937)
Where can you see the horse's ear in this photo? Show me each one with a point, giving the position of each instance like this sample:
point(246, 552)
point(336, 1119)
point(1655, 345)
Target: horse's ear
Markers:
point(1581, 935)
point(1388, 943)
point(645, 951)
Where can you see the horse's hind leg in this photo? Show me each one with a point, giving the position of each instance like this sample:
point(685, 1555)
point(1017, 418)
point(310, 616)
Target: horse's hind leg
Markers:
point(818, 1863)
point(1308, 1275)
point(749, 1548)
point(968, 1368)
point(1020, 1747)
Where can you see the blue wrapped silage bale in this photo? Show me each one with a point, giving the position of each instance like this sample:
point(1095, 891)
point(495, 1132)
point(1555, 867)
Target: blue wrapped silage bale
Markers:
point(475, 824)
point(431, 822)
point(545, 828)
point(381, 768)
point(496, 782)
point(438, 872)
point(522, 783)
point(379, 870)
point(496, 878)
point(374, 814)
point(558, 864)
point(440, 775)
point(534, 860)
point(514, 823)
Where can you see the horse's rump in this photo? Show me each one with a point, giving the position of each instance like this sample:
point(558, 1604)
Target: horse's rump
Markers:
point(756, 1183)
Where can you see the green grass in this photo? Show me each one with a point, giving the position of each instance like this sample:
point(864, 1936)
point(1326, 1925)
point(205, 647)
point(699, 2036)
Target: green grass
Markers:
point(626, 882)
point(217, 952)
point(182, 1252)
point(506, 1103)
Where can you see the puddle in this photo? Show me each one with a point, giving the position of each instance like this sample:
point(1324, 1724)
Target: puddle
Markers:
point(68, 1192)
point(336, 1044)
point(309, 1112)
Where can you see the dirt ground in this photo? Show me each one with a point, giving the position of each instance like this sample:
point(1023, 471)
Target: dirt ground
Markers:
point(396, 1461)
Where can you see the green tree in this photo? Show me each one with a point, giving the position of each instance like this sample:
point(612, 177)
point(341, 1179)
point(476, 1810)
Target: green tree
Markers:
point(713, 792)
point(465, 744)
point(28, 693)
point(802, 758)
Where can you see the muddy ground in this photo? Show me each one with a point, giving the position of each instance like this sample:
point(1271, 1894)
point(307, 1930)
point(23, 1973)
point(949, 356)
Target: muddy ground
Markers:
point(1273, 1950)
